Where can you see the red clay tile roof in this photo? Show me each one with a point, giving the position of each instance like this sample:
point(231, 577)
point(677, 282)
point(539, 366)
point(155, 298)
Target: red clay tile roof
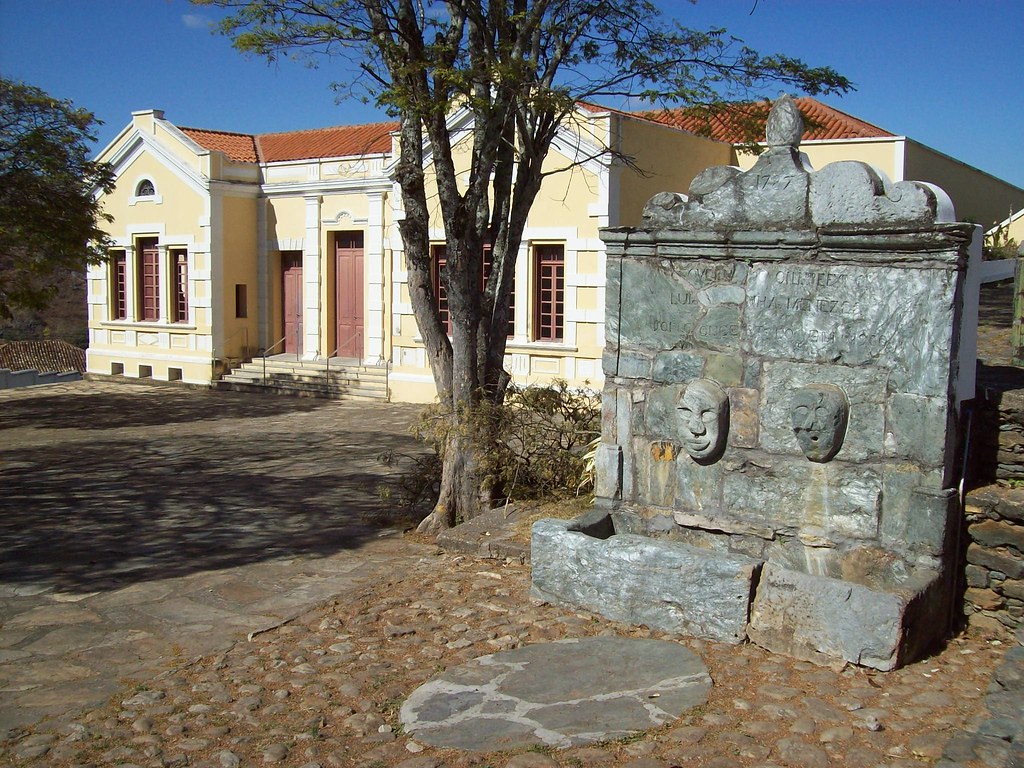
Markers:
point(44, 356)
point(240, 147)
point(824, 122)
point(341, 141)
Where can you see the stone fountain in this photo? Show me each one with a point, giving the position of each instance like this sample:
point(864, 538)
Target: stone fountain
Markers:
point(786, 354)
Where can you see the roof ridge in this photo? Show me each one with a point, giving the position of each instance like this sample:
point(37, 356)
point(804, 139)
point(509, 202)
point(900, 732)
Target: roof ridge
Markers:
point(844, 113)
point(327, 128)
point(215, 130)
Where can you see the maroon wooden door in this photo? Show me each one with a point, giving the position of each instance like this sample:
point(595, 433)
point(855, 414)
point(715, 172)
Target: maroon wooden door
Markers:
point(348, 304)
point(291, 273)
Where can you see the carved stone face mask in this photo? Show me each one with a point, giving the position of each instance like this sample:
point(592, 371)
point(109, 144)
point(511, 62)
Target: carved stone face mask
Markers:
point(704, 419)
point(819, 413)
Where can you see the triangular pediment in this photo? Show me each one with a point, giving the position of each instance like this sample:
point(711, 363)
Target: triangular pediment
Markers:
point(134, 142)
point(574, 146)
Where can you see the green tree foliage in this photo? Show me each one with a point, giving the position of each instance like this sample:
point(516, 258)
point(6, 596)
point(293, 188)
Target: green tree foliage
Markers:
point(48, 214)
point(520, 68)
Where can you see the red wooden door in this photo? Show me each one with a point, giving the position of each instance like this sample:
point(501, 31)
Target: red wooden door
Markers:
point(348, 304)
point(291, 269)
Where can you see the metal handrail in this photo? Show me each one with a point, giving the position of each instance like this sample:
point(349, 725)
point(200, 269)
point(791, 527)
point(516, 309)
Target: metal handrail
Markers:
point(267, 351)
point(335, 352)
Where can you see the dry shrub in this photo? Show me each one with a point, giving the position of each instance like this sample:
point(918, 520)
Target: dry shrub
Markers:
point(541, 444)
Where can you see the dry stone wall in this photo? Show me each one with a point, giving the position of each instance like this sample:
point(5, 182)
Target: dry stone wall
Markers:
point(992, 544)
point(994, 574)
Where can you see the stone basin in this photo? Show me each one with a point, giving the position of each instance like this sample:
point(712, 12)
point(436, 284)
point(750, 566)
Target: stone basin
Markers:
point(860, 606)
point(634, 579)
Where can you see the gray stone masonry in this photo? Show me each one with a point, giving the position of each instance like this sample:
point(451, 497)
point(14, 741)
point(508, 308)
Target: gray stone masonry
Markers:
point(827, 306)
point(994, 574)
point(664, 584)
point(993, 533)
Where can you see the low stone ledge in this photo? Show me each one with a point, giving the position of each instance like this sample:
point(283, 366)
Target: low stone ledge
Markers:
point(822, 619)
point(635, 579)
point(490, 535)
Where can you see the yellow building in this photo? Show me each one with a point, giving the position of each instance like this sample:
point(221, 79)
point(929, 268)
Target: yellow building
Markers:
point(229, 246)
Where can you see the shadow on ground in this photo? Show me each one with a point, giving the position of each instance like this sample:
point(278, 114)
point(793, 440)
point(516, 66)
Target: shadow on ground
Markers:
point(996, 304)
point(138, 496)
point(146, 405)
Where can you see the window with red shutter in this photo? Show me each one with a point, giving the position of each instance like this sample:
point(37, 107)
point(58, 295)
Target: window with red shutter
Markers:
point(512, 296)
point(119, 279)
point(439, 254)
point(179, 260)
point(549, 292)
point(440, 257)
point(149, 278)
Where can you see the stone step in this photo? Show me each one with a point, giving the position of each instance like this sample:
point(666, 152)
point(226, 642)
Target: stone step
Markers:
point(309, 378)
point(315, 367)
point(303, 389)
point(336, 376)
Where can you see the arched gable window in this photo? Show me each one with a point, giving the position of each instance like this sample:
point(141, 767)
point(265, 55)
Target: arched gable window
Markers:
point(145, 192)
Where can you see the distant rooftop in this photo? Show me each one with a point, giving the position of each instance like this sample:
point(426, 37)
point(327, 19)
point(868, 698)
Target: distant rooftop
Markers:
point(240, 147)
point(340, 141)
point(823, 122)
point(45, 356)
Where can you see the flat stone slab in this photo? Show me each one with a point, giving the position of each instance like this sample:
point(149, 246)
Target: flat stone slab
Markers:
point(667, 585)
point(491, 535)
point(819, 618)
point(557, 694)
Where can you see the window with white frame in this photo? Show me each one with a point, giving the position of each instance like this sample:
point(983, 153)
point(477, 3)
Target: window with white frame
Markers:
point(548, 264)
point(149, 279)
point(179, 284)
point(118, 285)
point(440, 261)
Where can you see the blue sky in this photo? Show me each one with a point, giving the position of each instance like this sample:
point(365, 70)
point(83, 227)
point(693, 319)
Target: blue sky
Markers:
point(946, 73)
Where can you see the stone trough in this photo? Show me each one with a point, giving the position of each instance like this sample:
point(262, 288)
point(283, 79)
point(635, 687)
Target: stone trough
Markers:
point(676, 587)
point(664, 584)
point(786, 354)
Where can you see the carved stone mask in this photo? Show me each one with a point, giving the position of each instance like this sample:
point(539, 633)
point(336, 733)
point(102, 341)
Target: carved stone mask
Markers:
point(820, 413)
point(704, 419)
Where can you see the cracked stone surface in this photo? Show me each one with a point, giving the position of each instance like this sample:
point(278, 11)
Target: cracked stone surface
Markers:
point(557, 694)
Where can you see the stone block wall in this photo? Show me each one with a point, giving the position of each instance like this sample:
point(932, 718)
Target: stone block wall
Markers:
point(993, 532)
point(994, 573)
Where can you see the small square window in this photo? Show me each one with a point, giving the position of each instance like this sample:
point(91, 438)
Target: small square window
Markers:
point(174, 374)
point(241, 300)
point(145, 371)
point(117, 369)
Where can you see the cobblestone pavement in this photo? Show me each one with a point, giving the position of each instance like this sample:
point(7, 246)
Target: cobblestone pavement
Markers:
point(143, 561)
point(325, 690)
point(144, 525)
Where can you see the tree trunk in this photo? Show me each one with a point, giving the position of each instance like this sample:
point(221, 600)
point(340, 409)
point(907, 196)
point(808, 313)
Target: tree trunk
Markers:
point(463, 486)
point(466, 487)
